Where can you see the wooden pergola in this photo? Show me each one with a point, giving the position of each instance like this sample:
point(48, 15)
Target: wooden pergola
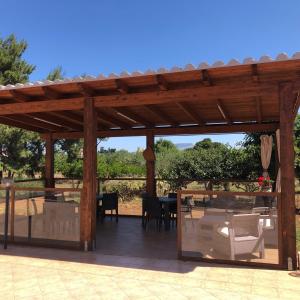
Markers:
point(256, 96)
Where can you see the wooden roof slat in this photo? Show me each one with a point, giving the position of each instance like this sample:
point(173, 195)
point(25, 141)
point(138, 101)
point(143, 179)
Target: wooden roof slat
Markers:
point(56, 119)
point(191, 112)
point(10, 122)
point(138, 119)
point(162, 115)
point(112, 119)
point(28, 120)
point(223, 111)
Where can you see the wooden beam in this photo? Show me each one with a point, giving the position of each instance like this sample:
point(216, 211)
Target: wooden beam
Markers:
point(50, 93)
point(287, 208)
point(258, 109)
point(254, 73)
point(88, 203)
point(112, 120)
point(205, 93)
point(162, 82)
point(57, 120)
point(121, 86)
point(200, 94)
point(18, 96)
point(205, 78)
point(49, 161)
point(183, 130)
point(223, 111)
point(150, 166)
point(85, 90)
point(133, 116)
point(25, 119)
point(41, 106)
point(15, 123)
point(162, 115)
point(190, 112)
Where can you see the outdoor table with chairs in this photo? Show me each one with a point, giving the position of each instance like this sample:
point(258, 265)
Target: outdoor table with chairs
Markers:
point(161, 209)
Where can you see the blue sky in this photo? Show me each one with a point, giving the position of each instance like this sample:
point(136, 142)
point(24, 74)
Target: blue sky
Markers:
point(92, 37)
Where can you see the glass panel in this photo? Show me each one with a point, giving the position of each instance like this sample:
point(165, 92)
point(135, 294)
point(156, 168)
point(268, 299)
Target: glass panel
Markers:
point(2, 212)
point(230, 226)
point(47, 215)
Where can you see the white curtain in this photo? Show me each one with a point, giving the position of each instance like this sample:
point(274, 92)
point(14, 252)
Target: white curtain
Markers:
point(278, 180)
point(266, 152)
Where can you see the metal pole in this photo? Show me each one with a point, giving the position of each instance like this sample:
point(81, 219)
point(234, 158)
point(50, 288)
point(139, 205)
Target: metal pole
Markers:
point(6, 218)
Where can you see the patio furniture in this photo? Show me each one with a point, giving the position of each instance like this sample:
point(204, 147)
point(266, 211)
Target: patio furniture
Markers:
point(268, 220)
point(186, 211)
point(61, 220)
point(109, 202)
point(153, 211)
point(173, 207)
point(166, 204)
point(242, 234)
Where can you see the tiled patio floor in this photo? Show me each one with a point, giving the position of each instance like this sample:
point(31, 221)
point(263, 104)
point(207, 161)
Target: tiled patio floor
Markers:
point(35, 273)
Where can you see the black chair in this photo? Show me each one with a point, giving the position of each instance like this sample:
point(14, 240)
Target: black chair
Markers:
point(109, 202)
point(152, 211)
point(173, 207)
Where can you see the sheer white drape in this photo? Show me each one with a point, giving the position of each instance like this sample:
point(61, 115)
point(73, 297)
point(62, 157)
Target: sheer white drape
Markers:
point(266, 152)
point(278, 180)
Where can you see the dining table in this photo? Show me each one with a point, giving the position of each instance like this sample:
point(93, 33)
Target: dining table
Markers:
point(165, 204)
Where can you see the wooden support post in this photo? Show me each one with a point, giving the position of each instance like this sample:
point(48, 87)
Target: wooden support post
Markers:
point(150, 166)
point(88, 201)
point(49, 161)
point(288, 227)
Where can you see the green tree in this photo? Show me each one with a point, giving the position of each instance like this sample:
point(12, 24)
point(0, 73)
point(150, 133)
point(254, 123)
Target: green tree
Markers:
point(13, 68)
point(20, 151)
point(297, 145)
point(56, 73)
point(164, 146)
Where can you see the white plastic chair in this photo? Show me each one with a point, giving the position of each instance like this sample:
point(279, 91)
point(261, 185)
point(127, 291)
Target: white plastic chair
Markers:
point(243, 234)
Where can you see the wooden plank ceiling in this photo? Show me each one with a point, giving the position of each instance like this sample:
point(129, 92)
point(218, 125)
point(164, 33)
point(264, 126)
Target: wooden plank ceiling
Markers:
point(243, 94)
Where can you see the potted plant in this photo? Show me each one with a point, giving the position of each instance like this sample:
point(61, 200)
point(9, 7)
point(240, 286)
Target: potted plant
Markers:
point(265, 183)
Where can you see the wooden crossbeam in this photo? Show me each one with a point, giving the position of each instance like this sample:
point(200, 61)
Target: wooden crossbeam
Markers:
point(57, 120)
point(112, 120)
point(38, 123)
point(190, 112)
point(10, 122)
point(50, 93)
point(205, 78)
point(223, 112)
point(60, 118)
point(133, 116)
point(207, 129)
point(254, 73)
point(162, 82)
point(85, 90)
point(208, 93)
point(18, 96)
point(162, 115)
point(121, 86)
point(258, 109)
